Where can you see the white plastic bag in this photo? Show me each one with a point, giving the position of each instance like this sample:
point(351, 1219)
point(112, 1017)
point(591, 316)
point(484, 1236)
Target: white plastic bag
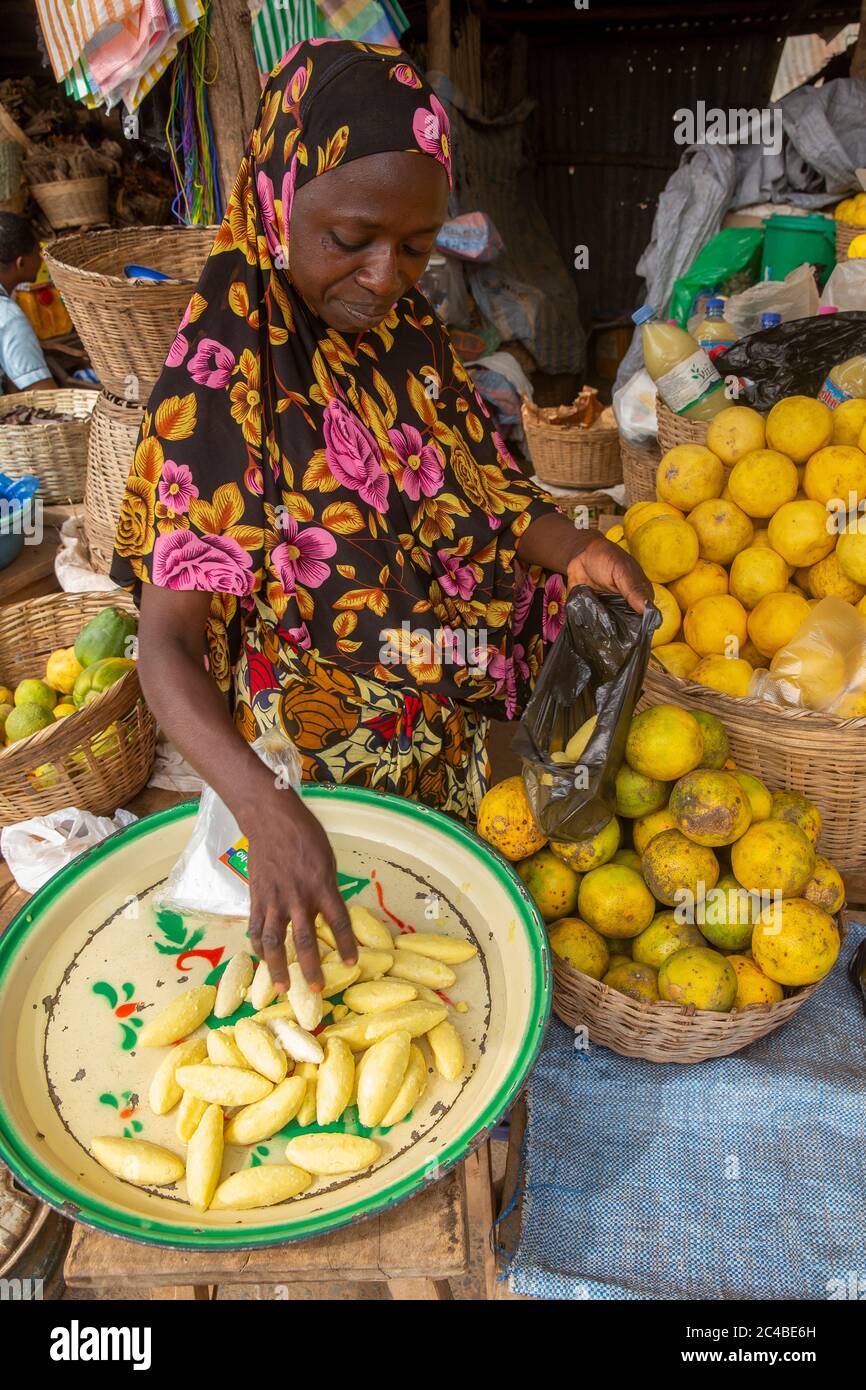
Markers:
point(201, 882)
point(846, 287)
point(795, 297)
point(37, 849)
point(634, 406)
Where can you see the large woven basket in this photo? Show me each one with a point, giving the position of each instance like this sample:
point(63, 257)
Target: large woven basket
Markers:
point(73, 202)
point(572, 456)
point(56, 451)
point(664, 1032)
point(126, 328)
point(113, 436)
point(72, 772)
point(639, 467)
point(789, 749)
point(845, 234)
point(674, 429)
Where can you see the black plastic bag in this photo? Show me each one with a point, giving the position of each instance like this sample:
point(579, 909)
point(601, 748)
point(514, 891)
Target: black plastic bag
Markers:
point(793, 358)
point(596, 666)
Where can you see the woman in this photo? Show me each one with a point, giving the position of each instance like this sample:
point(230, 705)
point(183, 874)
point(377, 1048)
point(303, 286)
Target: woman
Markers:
point(319, 493)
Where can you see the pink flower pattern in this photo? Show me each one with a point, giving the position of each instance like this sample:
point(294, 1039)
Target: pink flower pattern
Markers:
point(176, 487)
point(422, 464)
point(353, 455)
point(458, 581)
point(211, 364)
point(432, 130)
point(300, 557)
point(217, 564)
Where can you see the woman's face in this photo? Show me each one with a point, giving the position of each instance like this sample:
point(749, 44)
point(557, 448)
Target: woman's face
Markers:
point(361, 235)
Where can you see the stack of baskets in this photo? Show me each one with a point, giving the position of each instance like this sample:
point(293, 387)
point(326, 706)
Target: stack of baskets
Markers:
point(97, 758)
point(127, 330)
point(639, 467)
point(568, 454)
point(54, 450)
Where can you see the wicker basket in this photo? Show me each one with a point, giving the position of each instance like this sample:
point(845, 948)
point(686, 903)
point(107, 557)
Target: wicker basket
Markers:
point(128, 329)
point(639, 467)
point(56, 451)
point(73, 202)
point(113, 437)
point(664, 1032)
point(572, 456)
point(789, 749)
point(845, 234)
point(98, 781)
point(17, 1210)
point(674, 429)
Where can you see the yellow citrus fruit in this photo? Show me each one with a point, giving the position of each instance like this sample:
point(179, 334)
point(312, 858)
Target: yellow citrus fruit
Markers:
point(639, 982)
point(756, 572)
point(715, 740)
point(677, 658)
point(722, 529)
point(552, 884)
point(639, 512)
point(60, 711)
point(798, 810)
point(677, 870)
point(671, 616)
point(762, 482)
point(857, 247)
point(826, 887)
point(7, 696)
point(827, 578)
point(582, 946)
point(700, 977)
point(753, 987)
point(705, 580)
point(715, 625)
point(795, 942)
point(583, 855)
point(662, 938)
point(735, 431)
point(664, 742)
point(648, 827)
point(505, 820)
point(851, 554)
point(773, 856)
point(728, 914)
point(849, 418)
point(761, 537)
point(775, 619)
point(802, 533)
point(760, 797)
point(25, 720)
point(5, 711)
point(63, 669)
point(665, 547)
point(835, 472)
point(34, 692)
point(749, 652)
point(615, 901)
point(710, 807)
point(728, 674)
point(629, 857)
point(637, 795)
point(798, 426)
point(614, 533)
point(689, 474)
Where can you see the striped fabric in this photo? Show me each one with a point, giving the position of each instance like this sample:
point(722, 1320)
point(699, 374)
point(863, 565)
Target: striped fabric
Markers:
point(279, 24)
point(133, 79)
point(69, 25)
point(359, 19)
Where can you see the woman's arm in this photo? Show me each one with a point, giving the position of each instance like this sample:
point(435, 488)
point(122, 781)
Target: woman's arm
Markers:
point(292, 868)
point(585, 557)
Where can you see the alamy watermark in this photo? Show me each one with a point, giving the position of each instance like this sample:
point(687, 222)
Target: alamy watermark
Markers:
point(711, 125)
point(439, 646)
point(22, 519)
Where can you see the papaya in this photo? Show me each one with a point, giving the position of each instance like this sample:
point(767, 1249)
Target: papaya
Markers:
point(96, 679)
point(105, 635)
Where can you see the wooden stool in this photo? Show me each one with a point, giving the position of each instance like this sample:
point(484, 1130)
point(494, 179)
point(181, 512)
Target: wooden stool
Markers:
point(416, 1248)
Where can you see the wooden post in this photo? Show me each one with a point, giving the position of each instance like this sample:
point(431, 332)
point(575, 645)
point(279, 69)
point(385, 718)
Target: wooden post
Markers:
point(439, 36)
point(233, 95)
point(858, 58)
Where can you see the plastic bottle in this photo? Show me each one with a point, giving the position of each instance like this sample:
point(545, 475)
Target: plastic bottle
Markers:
point(686, 379)
point(770, 319)
point(844, 382)
point(715, 334)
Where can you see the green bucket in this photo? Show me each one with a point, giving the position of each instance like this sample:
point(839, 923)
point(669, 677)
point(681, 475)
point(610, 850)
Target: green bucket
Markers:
point(793, 241)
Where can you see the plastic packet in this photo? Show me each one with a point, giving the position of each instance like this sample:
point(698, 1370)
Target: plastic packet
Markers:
point(794, 358)
point(795, 297)
point(595, 667)
point(846, 288)
point(823, 667)
point(203, 881)
point(37, 849)
point(732, 257)
point(634, 406)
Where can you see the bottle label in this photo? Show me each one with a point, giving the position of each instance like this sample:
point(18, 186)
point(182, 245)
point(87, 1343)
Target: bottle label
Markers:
point(688, 382)
point(833, 395)
point(714, 346)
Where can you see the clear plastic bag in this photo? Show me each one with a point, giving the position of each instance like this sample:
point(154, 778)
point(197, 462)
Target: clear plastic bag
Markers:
point(634, 406)
point(202, 882)
point(795, 297)
point(823, 667)
point(595, 667)
point(846, 288)
point(37, 849)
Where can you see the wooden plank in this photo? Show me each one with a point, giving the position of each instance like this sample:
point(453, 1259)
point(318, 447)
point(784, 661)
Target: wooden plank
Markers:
point(235, 89)
point(402, 1290)
point(13, 131)
point(439, 36)
point(423, 1238)
point(478, 1178)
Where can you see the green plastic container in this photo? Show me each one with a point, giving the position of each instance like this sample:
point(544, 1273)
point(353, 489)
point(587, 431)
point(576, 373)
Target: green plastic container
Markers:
point(793, 241)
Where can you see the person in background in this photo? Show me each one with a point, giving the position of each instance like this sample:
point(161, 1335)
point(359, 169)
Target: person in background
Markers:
point(22, 362)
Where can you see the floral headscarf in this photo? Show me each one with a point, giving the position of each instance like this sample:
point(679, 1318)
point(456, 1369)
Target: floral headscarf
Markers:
point(333, 492)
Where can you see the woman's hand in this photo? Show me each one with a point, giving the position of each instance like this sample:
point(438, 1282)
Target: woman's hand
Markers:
point(293, 877)
point(608, 569)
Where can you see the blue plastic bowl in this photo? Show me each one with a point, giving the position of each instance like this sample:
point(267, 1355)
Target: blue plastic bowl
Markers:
point(11, 537)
